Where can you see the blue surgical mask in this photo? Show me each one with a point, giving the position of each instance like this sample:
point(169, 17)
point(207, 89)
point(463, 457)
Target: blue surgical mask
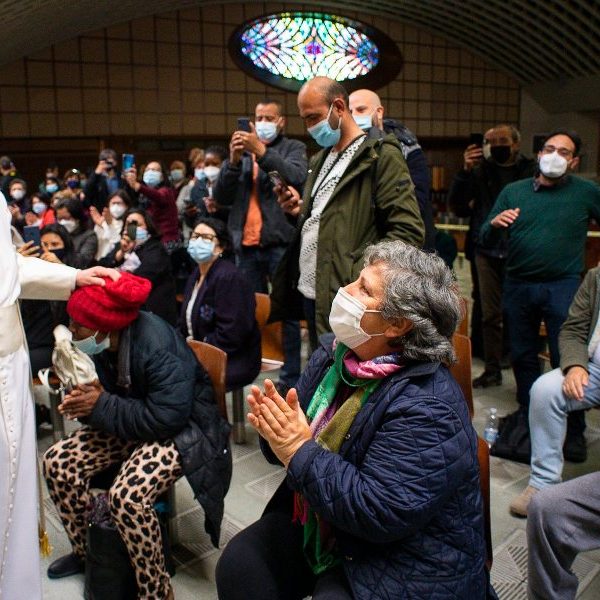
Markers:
point(39, 208)
point(141, 235)
point(364, 121)
point(90, 346)
point(152, 178)
point(324, 134)
point(266, 131)
point(199, 174)
point(72, 184)
point(201, 250)
point(177, 175)
point(52, 188)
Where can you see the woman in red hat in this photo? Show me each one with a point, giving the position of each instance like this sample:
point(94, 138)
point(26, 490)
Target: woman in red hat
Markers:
point(153, 412)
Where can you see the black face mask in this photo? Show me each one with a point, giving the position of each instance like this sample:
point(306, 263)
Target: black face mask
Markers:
point(500, 154)
point(59, 253)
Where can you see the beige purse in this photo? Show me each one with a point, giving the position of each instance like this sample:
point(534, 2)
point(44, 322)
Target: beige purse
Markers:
point(72, 366)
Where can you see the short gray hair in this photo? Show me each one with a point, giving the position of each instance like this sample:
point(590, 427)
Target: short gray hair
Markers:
point(418, 287)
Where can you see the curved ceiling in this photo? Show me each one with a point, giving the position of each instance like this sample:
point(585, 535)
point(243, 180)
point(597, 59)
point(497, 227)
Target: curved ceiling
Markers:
point(532, 40)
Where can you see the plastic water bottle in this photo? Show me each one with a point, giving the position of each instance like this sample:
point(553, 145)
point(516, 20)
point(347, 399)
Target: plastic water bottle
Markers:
point(490, 433)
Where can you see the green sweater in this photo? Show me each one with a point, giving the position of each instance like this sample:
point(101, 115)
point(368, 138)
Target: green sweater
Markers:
point(547, 240)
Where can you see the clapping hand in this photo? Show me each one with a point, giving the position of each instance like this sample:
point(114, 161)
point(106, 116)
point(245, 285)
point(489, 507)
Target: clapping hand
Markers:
point(281, 422)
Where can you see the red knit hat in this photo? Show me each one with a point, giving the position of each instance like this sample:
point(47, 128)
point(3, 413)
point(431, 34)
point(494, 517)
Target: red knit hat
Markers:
point(110, 307)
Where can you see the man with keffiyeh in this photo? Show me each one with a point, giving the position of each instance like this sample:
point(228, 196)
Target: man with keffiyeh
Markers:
point(382, 497)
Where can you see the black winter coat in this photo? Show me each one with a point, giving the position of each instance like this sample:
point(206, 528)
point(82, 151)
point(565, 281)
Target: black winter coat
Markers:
point(224, 316)
point(156, 390)
point(403, 493)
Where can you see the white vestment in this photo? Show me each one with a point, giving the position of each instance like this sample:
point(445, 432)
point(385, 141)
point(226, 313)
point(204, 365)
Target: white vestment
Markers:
point(19, 546)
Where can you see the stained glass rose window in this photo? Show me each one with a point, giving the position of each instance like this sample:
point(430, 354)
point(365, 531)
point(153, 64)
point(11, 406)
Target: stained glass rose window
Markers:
point(287, 49)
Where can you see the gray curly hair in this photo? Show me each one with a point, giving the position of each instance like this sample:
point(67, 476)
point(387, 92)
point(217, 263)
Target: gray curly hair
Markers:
point(419, 287)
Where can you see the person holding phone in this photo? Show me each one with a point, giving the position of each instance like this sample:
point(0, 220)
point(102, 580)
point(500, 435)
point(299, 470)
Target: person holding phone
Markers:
point(261, 231)
point(104, 180)
point(140, 251)
point(472, 194)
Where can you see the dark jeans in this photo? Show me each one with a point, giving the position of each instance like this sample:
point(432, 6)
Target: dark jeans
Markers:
point(259, 266)
point(476, 334)
point(526, 304)
point(265, 561)
point(490, 272)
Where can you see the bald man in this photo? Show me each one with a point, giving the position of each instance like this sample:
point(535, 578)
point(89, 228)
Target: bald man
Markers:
point(358, 192)
point(368, 112)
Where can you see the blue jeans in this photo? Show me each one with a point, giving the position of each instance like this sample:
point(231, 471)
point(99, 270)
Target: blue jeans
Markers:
point(525, 305)
point(259, 266)
point(548, 413)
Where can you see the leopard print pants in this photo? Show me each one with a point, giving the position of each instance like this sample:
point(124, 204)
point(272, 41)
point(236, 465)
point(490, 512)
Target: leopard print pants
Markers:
point(148, 469)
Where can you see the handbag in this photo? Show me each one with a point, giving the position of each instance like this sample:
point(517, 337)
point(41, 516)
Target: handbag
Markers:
point(513, 441)
point(108, 571)
point(72, 366)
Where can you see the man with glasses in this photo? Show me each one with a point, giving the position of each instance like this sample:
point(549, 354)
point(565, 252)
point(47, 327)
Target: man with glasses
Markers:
point(545, 221)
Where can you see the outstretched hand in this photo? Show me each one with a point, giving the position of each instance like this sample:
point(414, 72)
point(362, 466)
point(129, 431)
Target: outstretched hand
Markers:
point(93, 276)
point(281, 422)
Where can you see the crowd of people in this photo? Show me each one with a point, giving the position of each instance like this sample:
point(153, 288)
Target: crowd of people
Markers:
point(382, 496)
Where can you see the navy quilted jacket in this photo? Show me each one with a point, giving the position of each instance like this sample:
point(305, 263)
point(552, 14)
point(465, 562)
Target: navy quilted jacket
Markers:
point(403, 493)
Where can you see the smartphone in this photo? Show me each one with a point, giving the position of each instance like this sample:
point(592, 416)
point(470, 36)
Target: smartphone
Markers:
point(277, 179)
point(476, 139)
point(128, 161)
point(31, 233)
point(243, 124)
point(131, 231)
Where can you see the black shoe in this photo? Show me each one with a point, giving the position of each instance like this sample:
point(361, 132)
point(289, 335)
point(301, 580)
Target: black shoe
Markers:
point(69, 564)
point(574, 448)
point(488, 379)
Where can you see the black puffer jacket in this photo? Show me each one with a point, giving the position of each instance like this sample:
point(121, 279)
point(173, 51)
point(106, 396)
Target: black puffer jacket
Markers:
point(156, 390)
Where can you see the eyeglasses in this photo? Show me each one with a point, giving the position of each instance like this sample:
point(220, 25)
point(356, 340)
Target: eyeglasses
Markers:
point(564, 152)
point(207, 237)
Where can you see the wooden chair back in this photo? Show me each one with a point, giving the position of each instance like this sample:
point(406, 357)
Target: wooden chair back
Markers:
point(271, 334)
point(483, 456)
point(461, 369)
point(463, 326)
point(263, 309)
point(214, 361)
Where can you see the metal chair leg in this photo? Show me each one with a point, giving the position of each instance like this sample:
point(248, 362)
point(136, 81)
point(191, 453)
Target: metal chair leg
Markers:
point(239, 422)
point(58, 424)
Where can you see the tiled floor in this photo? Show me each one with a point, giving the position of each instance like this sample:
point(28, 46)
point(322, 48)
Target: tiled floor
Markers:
point(254, 480)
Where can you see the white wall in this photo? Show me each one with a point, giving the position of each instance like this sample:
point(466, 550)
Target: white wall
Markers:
point(536, 120)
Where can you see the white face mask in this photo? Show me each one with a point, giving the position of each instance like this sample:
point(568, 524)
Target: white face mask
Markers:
point(211, 172)
point(68, 224)
point(345, 317)
point(117, 210)
point(553, 166)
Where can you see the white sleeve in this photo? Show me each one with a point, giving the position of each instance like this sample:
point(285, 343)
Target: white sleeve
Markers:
point(43, 280)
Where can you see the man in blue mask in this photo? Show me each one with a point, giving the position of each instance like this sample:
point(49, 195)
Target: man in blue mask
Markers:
point(358, 192)
point(259, 228)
